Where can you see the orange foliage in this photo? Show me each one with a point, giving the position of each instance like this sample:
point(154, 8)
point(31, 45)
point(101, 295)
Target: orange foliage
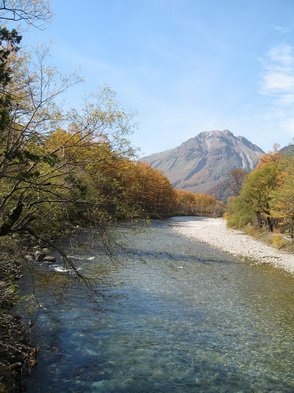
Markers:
point(269, 158)
point(189, 203)
point(148, 188)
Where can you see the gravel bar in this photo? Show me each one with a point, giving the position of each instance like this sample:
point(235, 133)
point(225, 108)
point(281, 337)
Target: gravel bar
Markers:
point(214, 232)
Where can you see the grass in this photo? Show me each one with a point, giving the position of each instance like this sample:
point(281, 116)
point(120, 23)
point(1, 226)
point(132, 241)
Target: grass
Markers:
point(274, 239)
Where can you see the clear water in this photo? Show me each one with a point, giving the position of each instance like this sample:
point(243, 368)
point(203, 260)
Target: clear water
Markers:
point(171, 315)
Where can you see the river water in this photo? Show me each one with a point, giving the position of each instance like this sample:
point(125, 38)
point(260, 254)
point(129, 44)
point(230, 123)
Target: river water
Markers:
point(170, 315)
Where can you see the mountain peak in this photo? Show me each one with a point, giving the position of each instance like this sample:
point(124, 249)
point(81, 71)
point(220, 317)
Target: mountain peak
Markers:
point(203, 162)
point(215, 133)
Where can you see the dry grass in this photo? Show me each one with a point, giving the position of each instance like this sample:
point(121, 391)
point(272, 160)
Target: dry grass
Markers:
point(274, 239)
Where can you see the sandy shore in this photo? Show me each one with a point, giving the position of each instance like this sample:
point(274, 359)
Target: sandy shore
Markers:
point(214, 232)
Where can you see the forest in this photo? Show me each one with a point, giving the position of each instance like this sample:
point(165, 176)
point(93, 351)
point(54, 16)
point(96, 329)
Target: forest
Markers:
point(59, 170)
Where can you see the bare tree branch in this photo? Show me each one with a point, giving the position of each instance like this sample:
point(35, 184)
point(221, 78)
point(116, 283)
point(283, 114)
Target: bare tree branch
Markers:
point(34, 13)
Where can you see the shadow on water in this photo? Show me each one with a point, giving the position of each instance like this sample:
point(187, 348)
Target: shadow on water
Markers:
point(217, 380)
point(172, 256)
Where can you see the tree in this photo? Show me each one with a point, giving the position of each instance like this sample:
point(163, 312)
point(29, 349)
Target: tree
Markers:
point(45, 169)
point(283, 198)
point(148, 190)
point(189, 203)
point(253, 205)
point(42, 170)
point(9, 41)
point(236, 176)
point(32, 12)
point(28, 115)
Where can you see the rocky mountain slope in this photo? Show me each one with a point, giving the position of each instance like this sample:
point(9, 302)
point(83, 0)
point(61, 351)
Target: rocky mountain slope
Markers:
point(288, 150)
point(202, 163)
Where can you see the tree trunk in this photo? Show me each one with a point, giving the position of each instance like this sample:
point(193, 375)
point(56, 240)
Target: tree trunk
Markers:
point(269, 223)
point(259, 219)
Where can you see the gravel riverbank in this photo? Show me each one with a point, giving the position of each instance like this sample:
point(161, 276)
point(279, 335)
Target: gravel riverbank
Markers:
point(214, 232)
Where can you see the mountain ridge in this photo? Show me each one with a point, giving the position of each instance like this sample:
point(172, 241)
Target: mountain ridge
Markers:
point(203, 162)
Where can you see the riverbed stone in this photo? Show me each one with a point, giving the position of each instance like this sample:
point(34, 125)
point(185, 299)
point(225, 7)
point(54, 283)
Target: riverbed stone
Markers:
point(49, 258)
point(39, 255)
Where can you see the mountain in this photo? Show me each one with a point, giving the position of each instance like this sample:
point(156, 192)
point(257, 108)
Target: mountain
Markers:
point(288, 150)
point(202, 163)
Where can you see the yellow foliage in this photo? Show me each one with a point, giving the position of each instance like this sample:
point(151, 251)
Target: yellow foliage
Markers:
point(278, 242)
point(189, 203)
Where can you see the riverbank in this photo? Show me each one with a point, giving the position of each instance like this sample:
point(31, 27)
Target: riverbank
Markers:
point(214, 232)
point(17, 355)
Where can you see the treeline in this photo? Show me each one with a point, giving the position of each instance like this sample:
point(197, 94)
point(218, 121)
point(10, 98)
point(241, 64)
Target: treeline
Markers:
point(69, 178)
point(266, 198)
point(59, 170)
point(197, 204)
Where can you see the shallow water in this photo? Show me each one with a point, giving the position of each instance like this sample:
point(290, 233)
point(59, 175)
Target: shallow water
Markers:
point(171, 315)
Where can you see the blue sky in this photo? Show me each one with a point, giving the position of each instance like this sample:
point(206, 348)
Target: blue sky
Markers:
point(184, 66)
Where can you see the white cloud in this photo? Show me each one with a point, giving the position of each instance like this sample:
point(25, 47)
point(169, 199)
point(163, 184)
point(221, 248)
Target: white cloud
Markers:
point(278, 82)
point(277, 85)
point(278, 75)
point(282, 54)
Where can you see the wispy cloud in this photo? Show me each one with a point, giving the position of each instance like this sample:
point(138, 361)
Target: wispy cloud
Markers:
point(278, 75)
point(277, 84)
point(283, 29)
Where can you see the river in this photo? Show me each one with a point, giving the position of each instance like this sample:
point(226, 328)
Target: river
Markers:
point(170, 315)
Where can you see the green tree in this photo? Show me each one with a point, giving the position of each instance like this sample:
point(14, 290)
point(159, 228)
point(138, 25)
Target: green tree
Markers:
point(9, 41)
point(282, 206)
point(254, 202)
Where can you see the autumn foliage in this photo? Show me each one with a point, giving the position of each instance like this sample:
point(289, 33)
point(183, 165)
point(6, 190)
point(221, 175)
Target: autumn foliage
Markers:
point(189, 203)
point(266, 198)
